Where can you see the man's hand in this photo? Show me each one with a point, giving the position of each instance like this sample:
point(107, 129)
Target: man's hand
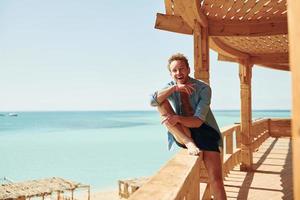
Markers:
point(170, 120)
point(187, 88)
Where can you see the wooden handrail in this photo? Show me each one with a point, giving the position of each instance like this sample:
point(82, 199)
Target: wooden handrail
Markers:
point(180, 177)
point(280, 127)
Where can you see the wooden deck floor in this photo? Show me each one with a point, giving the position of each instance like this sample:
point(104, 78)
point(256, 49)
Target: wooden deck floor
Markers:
point(272, 175)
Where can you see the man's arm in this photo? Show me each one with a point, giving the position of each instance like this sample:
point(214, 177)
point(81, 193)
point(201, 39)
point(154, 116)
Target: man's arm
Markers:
point(162, 95)
point(201, 111)
point(190, 122)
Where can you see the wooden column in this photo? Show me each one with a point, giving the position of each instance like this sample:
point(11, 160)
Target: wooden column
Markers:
point(294, 51)
point(245, 73)
point(201, 53)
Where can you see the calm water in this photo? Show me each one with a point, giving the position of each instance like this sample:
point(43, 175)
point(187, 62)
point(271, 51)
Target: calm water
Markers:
point(95, 148)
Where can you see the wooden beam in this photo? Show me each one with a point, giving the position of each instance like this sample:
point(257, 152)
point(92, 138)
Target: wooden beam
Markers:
point(227, 58)
point(190, 10)
point(294, 40)
point(270, 58)
point(267, 63)
point(217, 28)
point(217, 45)
point(245, 74)
point(172, 23)
point(186, 11)
point(201, 53)
point(201, 18)
point(276, 66)
point(168, 7)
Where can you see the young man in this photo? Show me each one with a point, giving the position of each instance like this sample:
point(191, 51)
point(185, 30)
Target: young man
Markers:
point(191, 124)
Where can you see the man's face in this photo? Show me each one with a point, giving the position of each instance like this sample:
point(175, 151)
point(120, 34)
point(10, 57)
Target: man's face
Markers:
point(179, 71)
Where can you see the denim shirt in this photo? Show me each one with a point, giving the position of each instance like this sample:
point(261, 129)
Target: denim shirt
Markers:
point(200, 102)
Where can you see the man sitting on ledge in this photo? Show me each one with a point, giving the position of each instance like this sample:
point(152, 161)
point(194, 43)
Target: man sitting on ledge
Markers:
point(191, 124)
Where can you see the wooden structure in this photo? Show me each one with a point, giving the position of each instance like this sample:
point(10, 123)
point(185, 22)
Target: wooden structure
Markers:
point(248, 32)
point(40, 188)
point(128, 187)
point(182, 176)
point(294, 37)
point(244, 31)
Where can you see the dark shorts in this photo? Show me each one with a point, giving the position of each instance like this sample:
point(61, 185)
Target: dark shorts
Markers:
point(205, 137)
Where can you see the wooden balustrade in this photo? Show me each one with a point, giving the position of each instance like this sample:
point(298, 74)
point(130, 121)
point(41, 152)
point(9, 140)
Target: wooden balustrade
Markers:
point(260, 132)
point(232, 151)
point(180, 178)
point(280, 128)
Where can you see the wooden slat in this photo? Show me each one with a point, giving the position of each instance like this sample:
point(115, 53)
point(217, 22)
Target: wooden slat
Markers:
point(259, 127)
point(269, 7)
point(229, 144)
point(200, 16)
point(222, 28)
point(168, 7)
point(276, 12)
point(212, 8)
point(227, 130)
point(172, 23)
point(235, 7)
point(231, 160)
point(226, 50)
point(283, 67)
point(228, 5)
point(255, 9)
point(270, 58)
point(258, 45)
point(247, 5)
point(277, 66)
point(238, 137)
point(254, 145)
point(226, 58)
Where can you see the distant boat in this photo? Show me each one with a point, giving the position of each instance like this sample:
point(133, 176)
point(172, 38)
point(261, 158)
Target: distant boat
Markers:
point(12, 114)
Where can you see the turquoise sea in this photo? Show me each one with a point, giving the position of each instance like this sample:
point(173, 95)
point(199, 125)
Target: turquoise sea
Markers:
point(96, 148)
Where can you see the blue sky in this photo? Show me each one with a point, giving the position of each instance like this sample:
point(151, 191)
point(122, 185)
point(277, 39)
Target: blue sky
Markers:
point(105, 55)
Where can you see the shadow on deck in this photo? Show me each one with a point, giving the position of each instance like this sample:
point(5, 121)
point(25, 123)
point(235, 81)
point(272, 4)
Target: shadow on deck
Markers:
point(272, 175)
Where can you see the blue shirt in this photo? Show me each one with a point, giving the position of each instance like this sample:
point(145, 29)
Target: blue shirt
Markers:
point(200, 102)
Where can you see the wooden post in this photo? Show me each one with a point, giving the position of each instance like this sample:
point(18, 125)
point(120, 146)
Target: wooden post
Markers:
point(58, 195)
point(201, 53)
point(245, 73)
point(89, 193)
point(294, 39)
point(229, 143)
point(238, 137)
point(72, 195)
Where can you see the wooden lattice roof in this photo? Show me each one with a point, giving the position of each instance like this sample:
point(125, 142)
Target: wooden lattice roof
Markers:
point(35, 188)
point(238, 29)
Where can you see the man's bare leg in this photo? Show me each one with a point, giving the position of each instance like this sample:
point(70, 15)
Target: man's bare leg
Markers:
point(181, 133)
point(212, 161)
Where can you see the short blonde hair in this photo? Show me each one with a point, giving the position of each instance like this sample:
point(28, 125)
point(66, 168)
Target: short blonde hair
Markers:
point(178, 56)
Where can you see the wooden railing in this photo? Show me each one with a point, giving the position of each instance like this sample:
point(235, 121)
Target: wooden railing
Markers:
point(180, 178)
point(280, 128)
point(232, 150)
